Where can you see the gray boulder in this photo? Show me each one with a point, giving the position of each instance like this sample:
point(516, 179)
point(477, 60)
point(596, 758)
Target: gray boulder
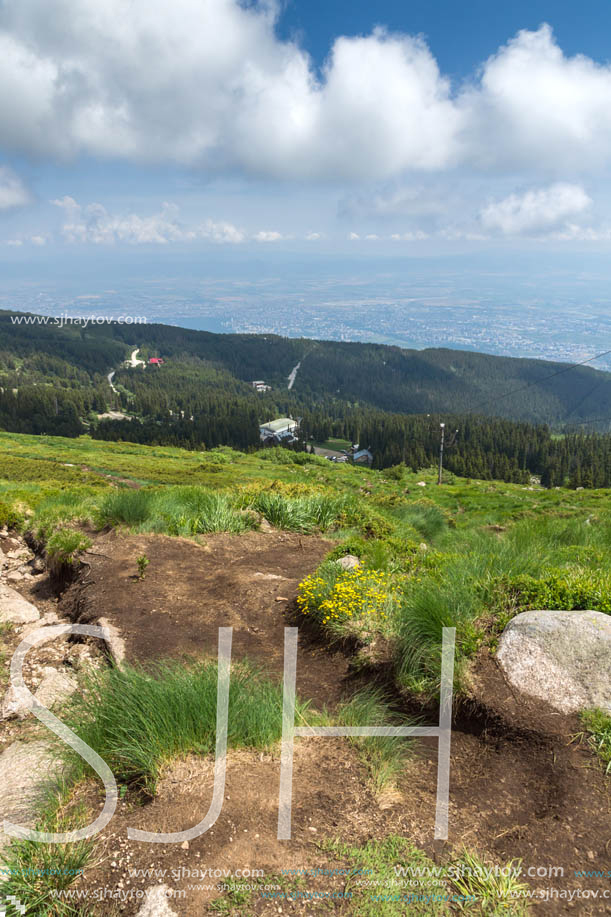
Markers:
point(561, 657)
point(14, 609)
point(349, 562)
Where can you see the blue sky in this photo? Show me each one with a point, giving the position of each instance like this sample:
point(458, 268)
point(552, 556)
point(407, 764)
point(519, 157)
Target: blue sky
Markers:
point(394, 129)
point(461, 35)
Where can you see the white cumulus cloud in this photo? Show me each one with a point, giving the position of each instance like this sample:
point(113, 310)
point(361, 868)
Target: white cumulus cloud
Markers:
point(536, 211)
point(266, 235)
point(535, 107)
point(209, 83)
point(94, 224)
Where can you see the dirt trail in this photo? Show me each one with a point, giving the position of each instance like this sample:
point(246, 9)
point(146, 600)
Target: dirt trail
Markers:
point(520, 788)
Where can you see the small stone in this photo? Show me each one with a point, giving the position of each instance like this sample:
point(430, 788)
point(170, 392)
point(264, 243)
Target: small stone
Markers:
point(349, 562)
point(47, 620)
point(157, 903)
point(281, 598)
point(185, 845)
point(115, 643)
point(14, 704)
point(38, 565)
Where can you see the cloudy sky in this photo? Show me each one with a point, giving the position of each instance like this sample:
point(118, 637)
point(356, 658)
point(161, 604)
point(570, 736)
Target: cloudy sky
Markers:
point(404, 126)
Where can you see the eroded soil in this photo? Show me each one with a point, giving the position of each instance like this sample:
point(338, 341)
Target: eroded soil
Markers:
point(521, 785)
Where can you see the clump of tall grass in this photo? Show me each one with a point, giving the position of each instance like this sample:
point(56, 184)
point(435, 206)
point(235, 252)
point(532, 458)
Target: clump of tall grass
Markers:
point(299, 514)
point(139, 718)
point(425, 517)
point(195, 510)
point(125, 507)
point(426, 608)
point(182, 510)
point(190, 510)
point(495, 891)
point(63, 549)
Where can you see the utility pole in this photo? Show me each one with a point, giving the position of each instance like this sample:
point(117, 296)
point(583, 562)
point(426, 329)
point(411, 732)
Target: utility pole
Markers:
point(443, 431)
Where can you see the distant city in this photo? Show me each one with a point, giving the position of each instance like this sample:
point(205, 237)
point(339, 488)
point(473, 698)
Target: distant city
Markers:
point(496, 315)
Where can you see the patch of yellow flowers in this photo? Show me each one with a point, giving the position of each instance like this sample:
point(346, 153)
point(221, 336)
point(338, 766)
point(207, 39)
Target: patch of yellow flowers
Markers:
point(358, 594)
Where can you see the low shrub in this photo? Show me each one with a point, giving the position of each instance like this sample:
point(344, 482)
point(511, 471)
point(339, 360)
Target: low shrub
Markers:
point(10, 516)
point(355, 602)
point(59, 509)
point(280, 456)
point(571, 589)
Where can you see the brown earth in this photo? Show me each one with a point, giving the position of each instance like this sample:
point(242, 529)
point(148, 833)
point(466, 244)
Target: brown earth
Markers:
point(521, 786)
point(246, 582)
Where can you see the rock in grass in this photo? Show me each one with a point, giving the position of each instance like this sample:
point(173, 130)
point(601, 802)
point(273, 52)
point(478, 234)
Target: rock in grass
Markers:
point(349, 562)
point(55, 687)
point(157, 903)
point(14, 609)
point(25, 770)
point(562, 657)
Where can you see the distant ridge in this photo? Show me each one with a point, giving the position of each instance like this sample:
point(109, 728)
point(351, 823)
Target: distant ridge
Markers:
point(386, 377)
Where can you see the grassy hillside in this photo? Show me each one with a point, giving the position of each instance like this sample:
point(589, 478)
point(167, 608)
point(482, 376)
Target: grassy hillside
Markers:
point(467, 554)
point(470, 554)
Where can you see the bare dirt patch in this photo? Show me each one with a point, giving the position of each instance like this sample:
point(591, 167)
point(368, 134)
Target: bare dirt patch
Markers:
point(246, 582)
point(521, 787)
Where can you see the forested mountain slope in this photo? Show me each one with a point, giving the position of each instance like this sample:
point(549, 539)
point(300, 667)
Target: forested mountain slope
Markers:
point(55, 380)
point(389, 378)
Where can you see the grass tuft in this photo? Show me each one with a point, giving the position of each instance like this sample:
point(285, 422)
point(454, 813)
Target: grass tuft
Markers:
point(598, 726)
point(137, 719)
